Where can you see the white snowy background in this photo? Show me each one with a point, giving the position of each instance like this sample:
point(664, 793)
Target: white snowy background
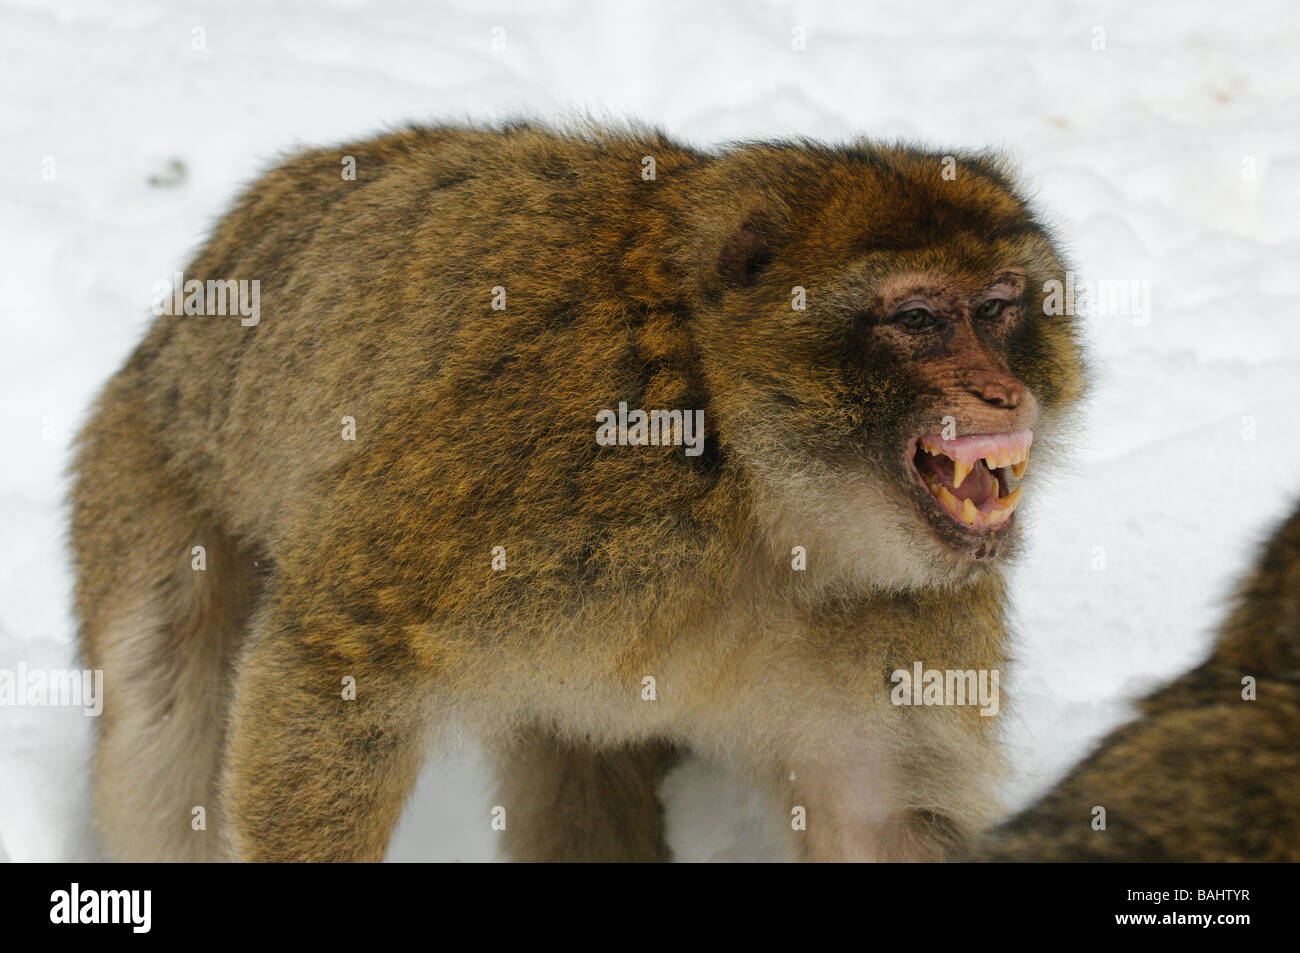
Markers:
point(1171, 155)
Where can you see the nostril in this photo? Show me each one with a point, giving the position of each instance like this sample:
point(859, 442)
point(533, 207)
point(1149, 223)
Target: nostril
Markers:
point(1000, 393)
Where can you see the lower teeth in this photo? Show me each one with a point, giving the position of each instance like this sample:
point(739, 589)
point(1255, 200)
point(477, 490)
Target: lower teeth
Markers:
point(966, 510)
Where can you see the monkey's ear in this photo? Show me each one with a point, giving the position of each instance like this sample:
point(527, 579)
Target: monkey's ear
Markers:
point(747, 250)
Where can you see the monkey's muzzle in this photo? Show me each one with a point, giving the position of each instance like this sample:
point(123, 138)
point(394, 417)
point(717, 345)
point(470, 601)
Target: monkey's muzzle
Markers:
point(971, 477)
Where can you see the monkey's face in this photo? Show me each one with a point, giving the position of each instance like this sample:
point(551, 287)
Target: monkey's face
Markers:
point(885, 370)
point(944, 340)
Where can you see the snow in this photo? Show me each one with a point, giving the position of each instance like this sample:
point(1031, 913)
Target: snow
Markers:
point(1170, 156)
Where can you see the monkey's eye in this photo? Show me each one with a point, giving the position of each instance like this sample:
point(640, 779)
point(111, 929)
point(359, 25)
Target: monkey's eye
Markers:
point(914, 319)
point(991, 309)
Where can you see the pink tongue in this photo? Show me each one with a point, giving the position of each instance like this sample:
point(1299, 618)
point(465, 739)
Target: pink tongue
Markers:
point(977, 486)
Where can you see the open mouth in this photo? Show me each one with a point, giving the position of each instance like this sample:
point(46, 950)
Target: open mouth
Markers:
point(971, 477)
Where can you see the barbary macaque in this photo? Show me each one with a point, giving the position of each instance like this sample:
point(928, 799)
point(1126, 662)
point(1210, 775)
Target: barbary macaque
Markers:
point(392, 507)
point(1210, 770)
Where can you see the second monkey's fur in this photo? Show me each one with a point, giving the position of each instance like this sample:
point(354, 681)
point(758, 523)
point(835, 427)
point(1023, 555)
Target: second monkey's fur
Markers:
point(371, 560)
point(1210, 770)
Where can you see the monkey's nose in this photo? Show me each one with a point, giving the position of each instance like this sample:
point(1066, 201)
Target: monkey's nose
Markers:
point(999, 391)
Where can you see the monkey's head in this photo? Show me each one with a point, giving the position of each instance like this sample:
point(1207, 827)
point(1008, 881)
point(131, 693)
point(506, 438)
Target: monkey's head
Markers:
point(875, 331)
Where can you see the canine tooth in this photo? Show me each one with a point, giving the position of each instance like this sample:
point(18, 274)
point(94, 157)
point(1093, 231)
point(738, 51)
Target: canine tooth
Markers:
point(949, 500)
point(1009, 501)
point(968, 512)
point(959, 472)
point(997, 517)
point(1018, 469)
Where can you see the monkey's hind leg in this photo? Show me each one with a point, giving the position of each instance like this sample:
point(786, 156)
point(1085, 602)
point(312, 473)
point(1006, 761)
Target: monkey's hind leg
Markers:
point(329, 726)
point(568, 802)
point(160, 618)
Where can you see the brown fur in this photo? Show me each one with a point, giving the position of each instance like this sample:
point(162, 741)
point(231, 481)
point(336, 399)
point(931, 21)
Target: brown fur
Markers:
point(475, 429)
point(1202, 774)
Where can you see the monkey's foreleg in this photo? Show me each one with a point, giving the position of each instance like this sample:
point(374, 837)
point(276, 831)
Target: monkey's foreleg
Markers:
point(323, 751)
point(829, 826)
point(566, 801)
point(920, 797)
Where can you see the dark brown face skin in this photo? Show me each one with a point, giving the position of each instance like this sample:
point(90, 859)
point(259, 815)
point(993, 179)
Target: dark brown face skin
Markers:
point(924, 328)
point(951, 334)
point(957, 331)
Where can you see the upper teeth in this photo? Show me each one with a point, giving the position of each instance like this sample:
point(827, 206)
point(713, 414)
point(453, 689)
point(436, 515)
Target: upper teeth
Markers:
point(1015, 457)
